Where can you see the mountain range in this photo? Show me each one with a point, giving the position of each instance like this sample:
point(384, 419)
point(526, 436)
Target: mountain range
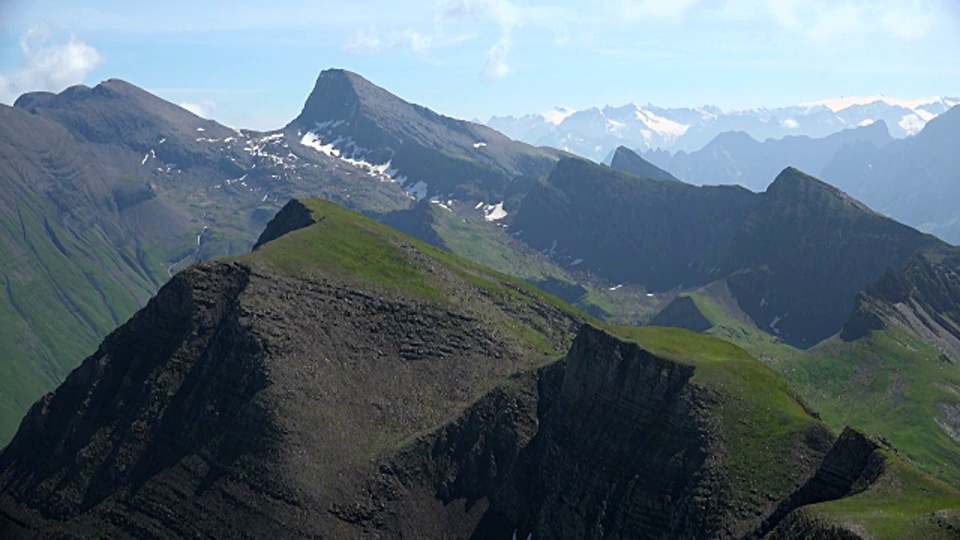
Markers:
point(912, 180)
point(330, 375)
point(595, 133)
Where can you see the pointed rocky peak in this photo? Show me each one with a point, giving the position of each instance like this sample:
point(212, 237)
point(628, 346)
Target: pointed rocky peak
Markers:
point(293, 216)
point(341, 95)
point(628, 161)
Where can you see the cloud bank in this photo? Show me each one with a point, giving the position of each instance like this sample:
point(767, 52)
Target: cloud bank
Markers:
point(48, 65)
point(832, 26)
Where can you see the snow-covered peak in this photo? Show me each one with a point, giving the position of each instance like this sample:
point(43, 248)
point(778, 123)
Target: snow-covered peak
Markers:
point(661, 125)
point(841, 103)
point(557, 115)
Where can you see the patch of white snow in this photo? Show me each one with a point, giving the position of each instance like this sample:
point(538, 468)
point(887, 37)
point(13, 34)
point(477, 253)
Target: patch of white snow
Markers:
point(494, 212)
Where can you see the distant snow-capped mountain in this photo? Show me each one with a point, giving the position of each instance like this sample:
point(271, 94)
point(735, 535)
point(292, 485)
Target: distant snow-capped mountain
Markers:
point(596, 132)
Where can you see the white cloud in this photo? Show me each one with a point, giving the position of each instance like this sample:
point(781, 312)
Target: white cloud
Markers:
point(790, 123)
point(835, 28)
point(203, 109)
point(47, 65)
point(496, 66)
point(458, 21)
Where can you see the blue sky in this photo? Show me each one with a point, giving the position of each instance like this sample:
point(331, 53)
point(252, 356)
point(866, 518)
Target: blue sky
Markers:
point(250, 65)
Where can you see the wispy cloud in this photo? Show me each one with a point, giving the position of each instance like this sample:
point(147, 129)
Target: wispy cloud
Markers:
point(48, 65)
point(203, 109)
point(458, 21)
point(496, 66)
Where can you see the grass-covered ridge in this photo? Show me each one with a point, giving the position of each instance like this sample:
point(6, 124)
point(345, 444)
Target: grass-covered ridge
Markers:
point(902, 503)
point(349, 247)
point(889, 382)
point(761, 419)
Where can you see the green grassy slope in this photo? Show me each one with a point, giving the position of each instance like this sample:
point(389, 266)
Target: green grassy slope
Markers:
point(902, 503)
point(713, 311)
point(762, 420)
point(69, 272)
point(889, 383)
point(343, 245)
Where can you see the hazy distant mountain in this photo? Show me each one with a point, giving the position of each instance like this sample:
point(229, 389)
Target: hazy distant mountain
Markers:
point(737, 158)
point(915, 180)
point(594, 133)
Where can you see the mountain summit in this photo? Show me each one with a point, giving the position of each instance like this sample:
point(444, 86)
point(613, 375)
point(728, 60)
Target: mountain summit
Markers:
point(429, 154)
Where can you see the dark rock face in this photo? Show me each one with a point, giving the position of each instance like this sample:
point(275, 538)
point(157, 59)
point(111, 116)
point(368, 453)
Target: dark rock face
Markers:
point(293, 216)
point(222, 409)
point(632, 230)
point(229, 406)
point(794, 257)
point(851, 466)
point(792, 248)
point(682, 312)
point(623, 451)
point(418, 222)
point(923, 297)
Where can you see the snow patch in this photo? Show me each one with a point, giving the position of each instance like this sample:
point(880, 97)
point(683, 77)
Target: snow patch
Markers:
point(442, 205)
point(865, 123)
point(911, 123)
point(494, 212)
point(660, 125)
point(417, 191)
point(201, 129)
point(790, 123)
point(774, 322)
point(145, 158)
point(616, 287)
point(557, 115)
point(479, 144)
point(311, 139)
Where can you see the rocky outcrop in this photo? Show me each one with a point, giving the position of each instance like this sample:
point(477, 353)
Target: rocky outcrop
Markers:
point(293, 216)
point(628, 161)
point(851, 466)
point(611, 442)
point(682, 312)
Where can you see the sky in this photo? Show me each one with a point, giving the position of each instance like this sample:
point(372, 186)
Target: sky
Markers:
point(251, 64)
